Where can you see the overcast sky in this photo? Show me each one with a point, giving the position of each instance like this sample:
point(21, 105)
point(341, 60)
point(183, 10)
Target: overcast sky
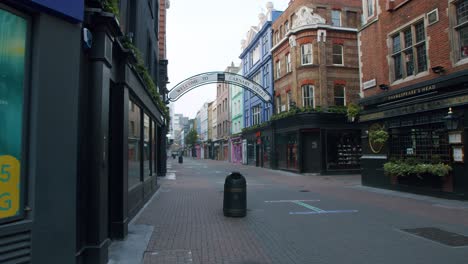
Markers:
point(205, 35)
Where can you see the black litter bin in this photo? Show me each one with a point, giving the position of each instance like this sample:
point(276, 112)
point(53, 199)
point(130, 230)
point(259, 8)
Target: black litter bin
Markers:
point(181, 159)
point(235, 195)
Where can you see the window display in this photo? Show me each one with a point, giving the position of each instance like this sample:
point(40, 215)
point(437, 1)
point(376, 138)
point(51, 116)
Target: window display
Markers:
point(12, 74)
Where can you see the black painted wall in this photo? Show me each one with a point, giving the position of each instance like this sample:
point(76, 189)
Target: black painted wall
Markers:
point(55, 79)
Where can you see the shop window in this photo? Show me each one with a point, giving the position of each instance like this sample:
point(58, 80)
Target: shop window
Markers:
point(461, 27)
point(13, 47)
point(426, 143)
point(287, 151)
point(134, 147)
point(306, 54)
point(409, 55)
point(343, 150)
point(266, 145)
point(154, 158)
point(146, 146)
point(338, 54)
point(340, 95)
point(308, 95)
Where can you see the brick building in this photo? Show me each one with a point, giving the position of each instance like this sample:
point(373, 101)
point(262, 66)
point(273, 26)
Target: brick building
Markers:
point(316, 75)
point(414, 61)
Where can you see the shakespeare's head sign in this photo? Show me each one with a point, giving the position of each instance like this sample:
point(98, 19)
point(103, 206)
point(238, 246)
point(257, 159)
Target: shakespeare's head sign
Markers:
point(216, 77)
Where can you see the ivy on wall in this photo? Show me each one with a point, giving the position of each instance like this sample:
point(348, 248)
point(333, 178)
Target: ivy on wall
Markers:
point(112, 6)
point(144, 74)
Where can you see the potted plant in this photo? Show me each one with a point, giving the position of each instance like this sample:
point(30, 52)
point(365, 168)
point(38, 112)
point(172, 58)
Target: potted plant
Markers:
point(413, 172)
point(377, 137)
point(352, 111)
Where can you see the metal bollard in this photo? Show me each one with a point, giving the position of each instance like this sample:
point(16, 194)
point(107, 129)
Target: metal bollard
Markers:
point(181, 159)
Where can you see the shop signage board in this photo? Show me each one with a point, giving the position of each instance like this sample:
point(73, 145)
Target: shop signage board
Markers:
point(417, 108)
point(72, 9)
point(12, 69)
point(216, 77)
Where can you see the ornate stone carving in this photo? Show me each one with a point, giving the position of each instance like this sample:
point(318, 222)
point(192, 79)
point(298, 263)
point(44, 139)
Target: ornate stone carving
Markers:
point(305, 16)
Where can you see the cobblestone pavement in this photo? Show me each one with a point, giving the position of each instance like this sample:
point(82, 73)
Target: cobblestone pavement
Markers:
point(293, 218)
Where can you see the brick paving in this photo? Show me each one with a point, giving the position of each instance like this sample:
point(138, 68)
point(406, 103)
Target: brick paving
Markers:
point(189, 226)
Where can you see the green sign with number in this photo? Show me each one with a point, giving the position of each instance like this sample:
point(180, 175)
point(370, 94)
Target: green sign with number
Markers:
point(13, 36)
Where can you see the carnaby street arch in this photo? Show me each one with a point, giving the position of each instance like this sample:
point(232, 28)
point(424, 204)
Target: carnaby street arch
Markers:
point(217, 77)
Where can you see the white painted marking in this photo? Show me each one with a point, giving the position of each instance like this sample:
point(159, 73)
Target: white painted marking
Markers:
point(323, 212)
point(291, 201)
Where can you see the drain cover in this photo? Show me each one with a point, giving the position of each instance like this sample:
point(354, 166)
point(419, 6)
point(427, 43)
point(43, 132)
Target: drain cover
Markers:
point(304, 191)
point(439, 235)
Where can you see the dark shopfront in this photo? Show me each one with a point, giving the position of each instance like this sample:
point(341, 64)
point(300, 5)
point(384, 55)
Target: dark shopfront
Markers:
point(321, 143)
point(259, 147)
point(81, 168)
point(415, 119)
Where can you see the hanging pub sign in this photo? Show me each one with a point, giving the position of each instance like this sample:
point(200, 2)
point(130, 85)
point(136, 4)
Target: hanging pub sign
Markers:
point(12, 68)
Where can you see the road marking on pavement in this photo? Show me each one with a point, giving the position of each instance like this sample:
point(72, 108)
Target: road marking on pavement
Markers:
point(293, 201)
point(323, 212)
point(315, 209)
point(170, 176)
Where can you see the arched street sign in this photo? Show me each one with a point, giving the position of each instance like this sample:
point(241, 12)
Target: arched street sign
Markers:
point(217, 77)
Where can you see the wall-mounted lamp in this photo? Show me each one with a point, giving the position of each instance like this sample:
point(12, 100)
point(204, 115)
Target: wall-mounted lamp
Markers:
point(451, 120)
point(438, 69)
point(383, 86)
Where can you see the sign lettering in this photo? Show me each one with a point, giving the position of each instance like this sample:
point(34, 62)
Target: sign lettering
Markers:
point(9, 186)
point(214, 77)
point(416, 108)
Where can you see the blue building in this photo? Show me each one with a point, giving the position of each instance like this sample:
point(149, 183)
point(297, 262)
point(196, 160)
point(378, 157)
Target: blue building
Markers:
point(258, 66)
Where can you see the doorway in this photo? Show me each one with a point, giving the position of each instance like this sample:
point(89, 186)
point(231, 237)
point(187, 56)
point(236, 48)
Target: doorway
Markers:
point(311, 159)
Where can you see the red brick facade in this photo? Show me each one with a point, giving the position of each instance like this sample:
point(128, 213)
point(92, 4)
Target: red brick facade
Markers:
point(321, 73)
point(375, 38)
point(163, 6)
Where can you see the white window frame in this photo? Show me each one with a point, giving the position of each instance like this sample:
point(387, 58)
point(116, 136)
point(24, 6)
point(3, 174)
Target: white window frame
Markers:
point(278, 104)
point(305, 55)
point(433, 12)
point(458, 27)
point(288, 62)
point(336, 54)
point(333, 19)
point(288, 100)
point(257, 78)
point(370, 6)
point(278, 69)
point(344, 94)
point(405, 50)
point(256, 54)
point(306, 99)
point(256, 115)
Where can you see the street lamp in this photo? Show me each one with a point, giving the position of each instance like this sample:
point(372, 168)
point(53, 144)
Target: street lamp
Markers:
point(450, 120)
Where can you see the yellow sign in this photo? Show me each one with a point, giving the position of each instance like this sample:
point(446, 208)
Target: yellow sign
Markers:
point(9, 186)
